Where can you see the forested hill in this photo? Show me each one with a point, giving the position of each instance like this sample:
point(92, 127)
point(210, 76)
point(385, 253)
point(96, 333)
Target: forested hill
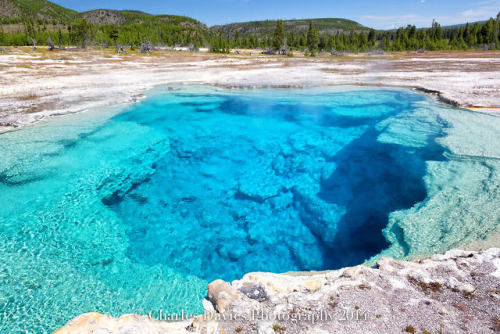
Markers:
point(48, 13)
point(130, 17)
point(118, 17)
point(462, 25)
point(266, 28)
point(22, 21)
point(15, 10)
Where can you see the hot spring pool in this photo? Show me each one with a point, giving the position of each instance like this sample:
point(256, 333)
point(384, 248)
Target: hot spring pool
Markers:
point(137, 210)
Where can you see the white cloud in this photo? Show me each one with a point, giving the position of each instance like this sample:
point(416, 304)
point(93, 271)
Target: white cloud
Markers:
point(481, 11)
point(395, 21)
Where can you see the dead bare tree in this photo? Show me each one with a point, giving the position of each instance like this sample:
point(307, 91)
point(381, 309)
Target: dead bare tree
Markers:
point(120, 49)
point(33, 42)
point(268, 51)
point(50, 44)
point(336, 53)
point(146, 47)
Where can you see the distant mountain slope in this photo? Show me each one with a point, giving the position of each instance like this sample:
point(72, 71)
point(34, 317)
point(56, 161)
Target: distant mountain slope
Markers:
point(129, 17)
point(265, 28)
point(464, 24)
point(13, 11)
point(16, 10)
point(109, 16)
point(37, 9)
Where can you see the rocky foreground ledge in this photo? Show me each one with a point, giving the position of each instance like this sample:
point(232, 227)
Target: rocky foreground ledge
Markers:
point(458, 292)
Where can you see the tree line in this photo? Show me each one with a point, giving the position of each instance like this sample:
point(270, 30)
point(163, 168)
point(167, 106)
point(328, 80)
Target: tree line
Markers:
point(470, 36)
point(163, 32)
point(81, 32)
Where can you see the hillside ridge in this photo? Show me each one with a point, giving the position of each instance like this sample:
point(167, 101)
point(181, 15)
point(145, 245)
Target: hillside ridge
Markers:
point(35, 9)
point(266, 27)
point(16, 11)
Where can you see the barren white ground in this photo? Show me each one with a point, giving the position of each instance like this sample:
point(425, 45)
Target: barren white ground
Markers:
point(34, 85)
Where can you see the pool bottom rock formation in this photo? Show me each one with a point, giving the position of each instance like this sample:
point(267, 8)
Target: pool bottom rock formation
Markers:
point(458, 292)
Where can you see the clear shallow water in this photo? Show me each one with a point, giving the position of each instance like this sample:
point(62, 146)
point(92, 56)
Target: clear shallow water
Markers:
point(138, 210)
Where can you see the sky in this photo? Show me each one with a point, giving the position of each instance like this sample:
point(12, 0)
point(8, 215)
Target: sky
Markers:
point(379, 14)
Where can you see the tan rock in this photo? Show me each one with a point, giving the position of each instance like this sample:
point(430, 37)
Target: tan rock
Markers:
point(221, 294)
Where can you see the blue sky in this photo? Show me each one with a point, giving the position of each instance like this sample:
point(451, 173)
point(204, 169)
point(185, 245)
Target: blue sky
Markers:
point(381, 14)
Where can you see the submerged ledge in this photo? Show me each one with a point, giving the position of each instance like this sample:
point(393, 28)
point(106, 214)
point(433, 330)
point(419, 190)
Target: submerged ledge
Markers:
point(450, 293)
point(440, 95)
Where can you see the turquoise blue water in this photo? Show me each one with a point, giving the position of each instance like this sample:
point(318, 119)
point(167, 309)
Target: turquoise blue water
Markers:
point(136, 210)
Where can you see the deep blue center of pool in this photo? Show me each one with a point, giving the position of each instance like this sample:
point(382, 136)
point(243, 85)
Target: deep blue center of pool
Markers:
point(270, 183)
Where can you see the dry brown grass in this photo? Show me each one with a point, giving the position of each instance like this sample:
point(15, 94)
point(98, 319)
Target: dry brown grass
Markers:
point(24, 65)
point(29, 97)
point(38, 107)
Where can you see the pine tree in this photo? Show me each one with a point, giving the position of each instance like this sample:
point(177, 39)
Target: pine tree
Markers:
point(323, 41)
point(279, 36)
point(372, 38)
point(488, 32)
point(437, 31)
point(60, 38)
point(312, 39)
point(332, 43)
point(81, 29)
point(114, 34)
point(303, 41)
